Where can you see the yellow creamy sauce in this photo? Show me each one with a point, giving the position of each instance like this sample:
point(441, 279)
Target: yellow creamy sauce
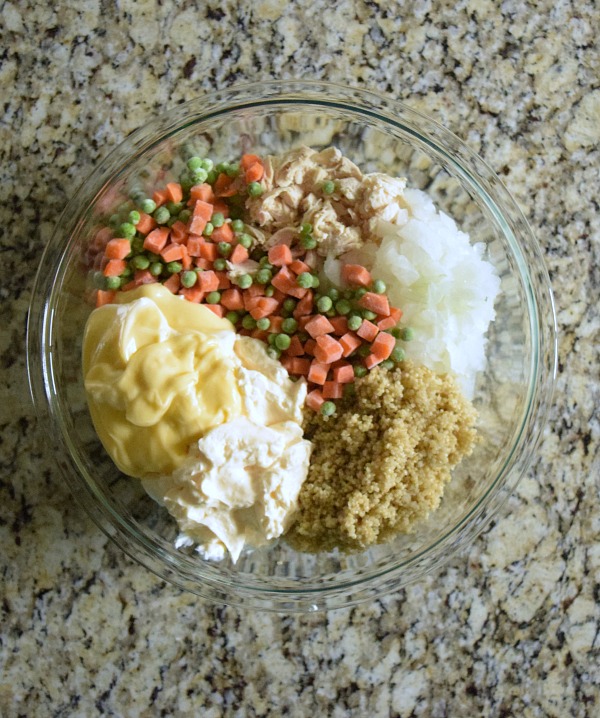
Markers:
point(158, 376)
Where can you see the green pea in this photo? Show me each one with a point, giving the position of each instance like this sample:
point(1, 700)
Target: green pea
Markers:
point(232, 170)
point(237, 225)
point(220, 264)
point(186, 181)
point(303, 336)
point(324, 304)
point(207, 164)
point(148, 205)
point(189, 278)
point(174, 207)
point(140, 262)
point(127, 272)
point(387, 364)
point(379, 286)
point(263, 324)
point(224, 249)
point(245, 240)
point(368, 314)
point(289, 304)
point(212, 176)
point(269, 291)
point(263, 276)
point(343, 307)
point(162, 215)
point(333, 293)
point(306, 229)
point(217, 219)
point(156, 269)
point(328, 187)
point(308, 242)
point(99, 280)
point(396, 332)
point(305, 280)
point(359, 293)
point(244, 281)
point(127, 230)
point(255, 189)
point(199, 176)
point(315, 281)
point(271, 339)
point(184, 216)
point(114, 220)
point(174, 267)
point(208, 229)
point(273, 352)
point(331, 313)
point(233, 317)
point(282, 341)
point(354, 323)
point(408, 334)
point(289, 326)
point(363, 351)
point(134, 217)
point(264, 262)
point(360, 371)
point(398, 354)
point(248, 322)
point(113, 283)
point(213, 297)
point(194, 163)
point(327, 408)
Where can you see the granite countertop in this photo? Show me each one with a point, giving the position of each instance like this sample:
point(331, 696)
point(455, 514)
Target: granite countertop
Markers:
point(508, 627)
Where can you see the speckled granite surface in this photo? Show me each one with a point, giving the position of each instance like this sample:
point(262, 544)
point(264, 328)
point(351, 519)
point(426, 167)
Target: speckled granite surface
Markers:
point(509, 627)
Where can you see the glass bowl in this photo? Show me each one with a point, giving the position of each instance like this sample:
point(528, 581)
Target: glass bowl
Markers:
point(512, 394)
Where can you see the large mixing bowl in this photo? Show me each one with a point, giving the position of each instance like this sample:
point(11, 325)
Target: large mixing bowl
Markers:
point(512, 393)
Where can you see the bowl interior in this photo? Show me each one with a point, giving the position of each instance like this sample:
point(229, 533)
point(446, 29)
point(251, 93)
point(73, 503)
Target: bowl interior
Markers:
point(504, 390)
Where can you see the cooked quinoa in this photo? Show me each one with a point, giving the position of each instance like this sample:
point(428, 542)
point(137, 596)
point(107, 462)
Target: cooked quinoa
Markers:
point(380, 464)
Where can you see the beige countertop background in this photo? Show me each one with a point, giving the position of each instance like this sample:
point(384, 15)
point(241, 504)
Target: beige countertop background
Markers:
point(509, 627)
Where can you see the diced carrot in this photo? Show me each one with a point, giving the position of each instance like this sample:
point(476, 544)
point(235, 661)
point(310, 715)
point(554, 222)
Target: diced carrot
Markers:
point(276, 324)
point(298, 266)
point(105, 297)
point(118, 248)
point(396, 314)
point(193, 294)
point(350, 342)
point(255, 290)
point(367, 330)
point(193, 245)
point(232, 299)
point(222, 234)
point(304, 306)
point(172, 283)
point(203, 192)
point(114, 268)
point(202, 263)
point(318, 326)
point(280, 255)
point(247, 160)
point(179, 232)
point(309, 347)
point(157, 239)
point(223, 186)
point(339, 324)
point(377, 303)
point(356, 275)
point(259, 334)
point(279, 296)
point(328, 349)
point(254, 173)
point(383, 345)
point(209, 251)
point(208, 281)
point(295, 348)
point(143, 276)
point(203, 209)
point(197, 225)
point(303, 321)
point(264, 307)
point(314, 400)
point(250, 302)
point(224, 281)
point(386, 323)
point(318, 372)
point(186, 260)
point(286, 363)
point(333, 390)
point(129, 286)
point(160, 197)
point(296, 291)
point(284, 280)
point(216, 309)
point(171, 253)
point(344, 374)
point(300, 366)
point(372, 361)
point(239, 254)
point(146, 223)
point(174, 192)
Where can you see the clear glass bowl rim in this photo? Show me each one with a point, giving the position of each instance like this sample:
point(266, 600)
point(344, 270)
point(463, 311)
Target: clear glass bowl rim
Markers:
point(481, 179)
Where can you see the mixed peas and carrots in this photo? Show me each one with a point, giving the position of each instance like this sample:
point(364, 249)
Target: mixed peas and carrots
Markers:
point(191, 237)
